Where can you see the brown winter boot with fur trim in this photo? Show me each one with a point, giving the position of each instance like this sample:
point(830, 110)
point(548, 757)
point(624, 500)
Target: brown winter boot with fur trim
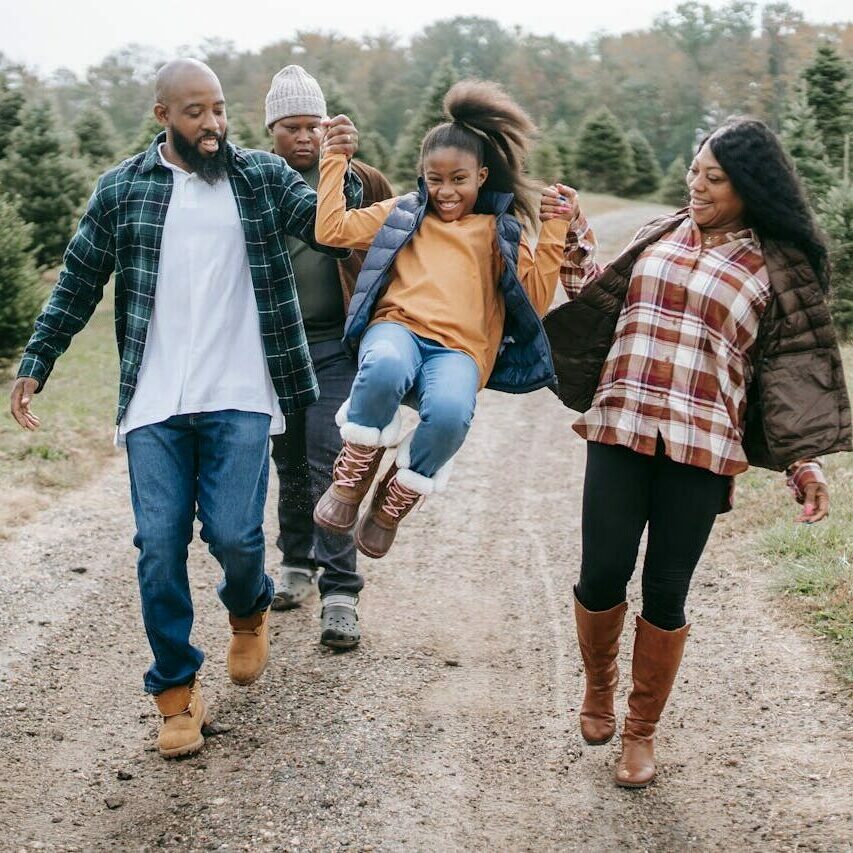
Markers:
point(391, 503)
point(353, 474)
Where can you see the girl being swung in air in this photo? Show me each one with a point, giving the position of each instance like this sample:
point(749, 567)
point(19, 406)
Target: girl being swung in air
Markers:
point(448, 302)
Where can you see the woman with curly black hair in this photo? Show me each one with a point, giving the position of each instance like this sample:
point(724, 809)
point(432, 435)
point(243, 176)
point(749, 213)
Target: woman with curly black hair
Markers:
point(705, 347)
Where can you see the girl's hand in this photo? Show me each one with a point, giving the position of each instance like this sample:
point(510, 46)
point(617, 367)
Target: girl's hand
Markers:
point(341, 137)
point(559, 202)
point(815, 503)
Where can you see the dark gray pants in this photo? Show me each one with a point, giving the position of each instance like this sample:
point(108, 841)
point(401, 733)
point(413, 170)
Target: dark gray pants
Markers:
point(303, 457)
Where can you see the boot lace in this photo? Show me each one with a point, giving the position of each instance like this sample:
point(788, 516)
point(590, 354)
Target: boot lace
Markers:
point(353, 463)
point(398, 499)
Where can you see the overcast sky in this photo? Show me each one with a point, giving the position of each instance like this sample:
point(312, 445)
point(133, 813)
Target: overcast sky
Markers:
point(49, 34)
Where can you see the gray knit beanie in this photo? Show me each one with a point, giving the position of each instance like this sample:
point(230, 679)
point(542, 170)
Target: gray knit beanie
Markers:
point(294, 92)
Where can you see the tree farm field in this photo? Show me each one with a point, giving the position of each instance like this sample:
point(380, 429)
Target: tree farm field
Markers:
point(812, 567)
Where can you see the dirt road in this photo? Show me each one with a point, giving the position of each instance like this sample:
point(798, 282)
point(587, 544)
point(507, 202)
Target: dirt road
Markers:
point(452, 727)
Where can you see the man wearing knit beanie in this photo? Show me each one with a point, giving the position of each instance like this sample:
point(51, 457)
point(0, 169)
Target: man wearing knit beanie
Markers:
point(305, 453)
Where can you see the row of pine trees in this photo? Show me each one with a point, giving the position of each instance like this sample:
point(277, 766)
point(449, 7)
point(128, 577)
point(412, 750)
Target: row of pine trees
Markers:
point(45, 176)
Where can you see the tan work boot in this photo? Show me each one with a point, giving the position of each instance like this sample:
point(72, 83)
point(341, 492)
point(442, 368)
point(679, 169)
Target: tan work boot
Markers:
point(657, 656)
point(184, 712)
point(352, 476)
point(391, 503)
point(598, 638)
point(249, 649)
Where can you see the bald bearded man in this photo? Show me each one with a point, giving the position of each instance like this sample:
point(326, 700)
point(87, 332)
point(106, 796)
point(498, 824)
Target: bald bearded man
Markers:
point(213, 356)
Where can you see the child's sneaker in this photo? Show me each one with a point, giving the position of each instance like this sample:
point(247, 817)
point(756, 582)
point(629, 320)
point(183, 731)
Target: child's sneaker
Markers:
point(339, 621)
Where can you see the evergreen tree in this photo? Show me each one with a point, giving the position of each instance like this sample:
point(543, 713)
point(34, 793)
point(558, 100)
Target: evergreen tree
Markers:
point(647, 172)
point(95, 137)
point(560, 136)
point(603, 155)
point(828, 88)
point(803, 143)
point(46, 184)
point(673, 188)
point(429, 114)
point(339, 103)
point(11, 103)
point(545, 163)
point(19, 281)
point(836, 216)
point(241, 133)
point(374, 150)
point(149, 127)
point(372, 147)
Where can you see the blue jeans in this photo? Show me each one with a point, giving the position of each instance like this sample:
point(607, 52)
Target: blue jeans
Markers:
point(215, 464)
point(304, 456)
point(394, 362)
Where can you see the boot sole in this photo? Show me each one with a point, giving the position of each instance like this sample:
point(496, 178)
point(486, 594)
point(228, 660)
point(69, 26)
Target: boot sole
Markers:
point(245, 682)
point(335, 528)
point(598, 742)
point(188, 749)
point(366, 551)
point(634, 785)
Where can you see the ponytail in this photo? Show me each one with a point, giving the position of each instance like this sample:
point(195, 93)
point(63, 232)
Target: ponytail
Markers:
point(486, 122)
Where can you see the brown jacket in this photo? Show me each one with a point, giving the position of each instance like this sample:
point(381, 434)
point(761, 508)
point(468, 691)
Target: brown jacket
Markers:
point(797, 403)
point(375, 188)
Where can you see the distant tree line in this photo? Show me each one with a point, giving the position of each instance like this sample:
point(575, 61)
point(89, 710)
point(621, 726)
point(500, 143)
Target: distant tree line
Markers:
point(617, 114)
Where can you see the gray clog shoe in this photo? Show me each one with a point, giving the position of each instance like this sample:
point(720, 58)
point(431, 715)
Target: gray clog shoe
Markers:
point(339, 621)
point(296, 585)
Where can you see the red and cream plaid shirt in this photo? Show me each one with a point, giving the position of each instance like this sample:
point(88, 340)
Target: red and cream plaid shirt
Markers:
point(679, 365)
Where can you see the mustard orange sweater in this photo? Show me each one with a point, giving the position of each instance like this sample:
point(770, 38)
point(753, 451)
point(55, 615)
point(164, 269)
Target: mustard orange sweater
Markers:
point(444, 283)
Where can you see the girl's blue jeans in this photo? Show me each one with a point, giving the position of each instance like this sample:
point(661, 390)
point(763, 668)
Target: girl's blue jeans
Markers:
point(394, 363)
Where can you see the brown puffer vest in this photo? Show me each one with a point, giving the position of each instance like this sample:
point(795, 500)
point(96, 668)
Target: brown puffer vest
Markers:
point(797, 403)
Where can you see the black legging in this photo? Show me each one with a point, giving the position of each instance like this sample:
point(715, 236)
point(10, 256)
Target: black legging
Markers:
point(624, 491)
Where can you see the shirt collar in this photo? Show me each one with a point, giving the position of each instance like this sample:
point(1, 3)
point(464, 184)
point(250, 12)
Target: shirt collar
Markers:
point(745, 235)
point(168, 165)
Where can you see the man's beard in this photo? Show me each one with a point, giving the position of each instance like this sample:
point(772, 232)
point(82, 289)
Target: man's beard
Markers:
point(209, 167)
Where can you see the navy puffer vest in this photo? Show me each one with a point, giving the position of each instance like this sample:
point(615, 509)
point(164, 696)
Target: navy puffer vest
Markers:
point(524, 360)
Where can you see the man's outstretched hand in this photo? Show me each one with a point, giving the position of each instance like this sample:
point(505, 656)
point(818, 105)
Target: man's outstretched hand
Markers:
point(22, 392)
point(341, 137)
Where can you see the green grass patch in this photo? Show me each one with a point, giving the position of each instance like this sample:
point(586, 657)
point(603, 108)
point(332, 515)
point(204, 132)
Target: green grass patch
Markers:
point(77, 411)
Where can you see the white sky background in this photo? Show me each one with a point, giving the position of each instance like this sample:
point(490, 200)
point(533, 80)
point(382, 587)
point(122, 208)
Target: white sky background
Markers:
point(49, 34)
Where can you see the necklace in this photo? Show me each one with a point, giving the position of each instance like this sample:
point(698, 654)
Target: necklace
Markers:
point(709, 240)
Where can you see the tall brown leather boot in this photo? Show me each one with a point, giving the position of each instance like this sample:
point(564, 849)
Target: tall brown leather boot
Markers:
point(657, 656)
point(392, 502)
point(352, 476)
point(184, 712)
point(598, 638)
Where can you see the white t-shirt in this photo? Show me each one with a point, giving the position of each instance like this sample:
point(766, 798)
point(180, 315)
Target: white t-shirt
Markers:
point(203, 350)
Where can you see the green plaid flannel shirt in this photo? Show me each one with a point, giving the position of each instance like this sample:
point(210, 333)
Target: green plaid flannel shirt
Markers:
point(121, 232)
